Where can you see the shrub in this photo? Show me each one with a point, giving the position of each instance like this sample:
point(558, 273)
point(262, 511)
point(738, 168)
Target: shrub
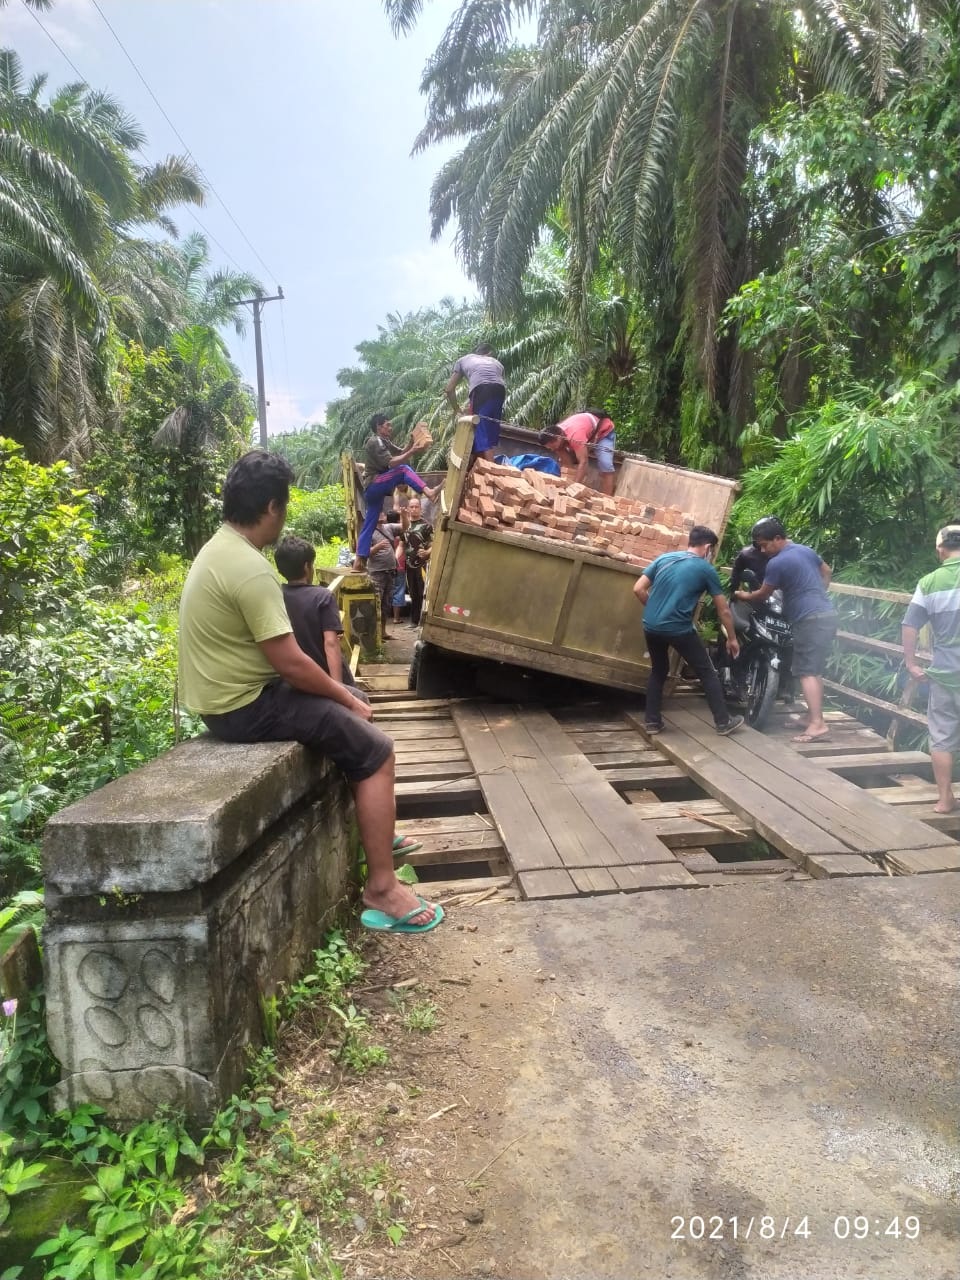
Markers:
point(318, 515)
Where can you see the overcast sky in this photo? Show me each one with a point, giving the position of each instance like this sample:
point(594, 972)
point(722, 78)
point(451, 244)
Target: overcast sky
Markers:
point(302, 114)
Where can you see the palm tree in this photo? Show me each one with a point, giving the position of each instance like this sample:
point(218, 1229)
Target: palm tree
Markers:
point(637, 117)
point(208, 427)
point(74, 268)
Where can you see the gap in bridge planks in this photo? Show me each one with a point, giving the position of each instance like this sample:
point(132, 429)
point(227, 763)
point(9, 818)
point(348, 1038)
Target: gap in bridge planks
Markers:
point(861, 824)
point(559, 819)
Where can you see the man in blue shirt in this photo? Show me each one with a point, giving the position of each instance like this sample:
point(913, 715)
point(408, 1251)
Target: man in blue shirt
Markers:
point(803, 578)
point(669, 591)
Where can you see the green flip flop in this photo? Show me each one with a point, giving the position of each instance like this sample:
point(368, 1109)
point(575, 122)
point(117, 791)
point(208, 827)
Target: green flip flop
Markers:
point(400, 850)
point(380, 922)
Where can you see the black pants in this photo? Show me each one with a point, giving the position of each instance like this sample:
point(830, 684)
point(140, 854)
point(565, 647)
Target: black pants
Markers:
point(415, 587)
point(691, 650)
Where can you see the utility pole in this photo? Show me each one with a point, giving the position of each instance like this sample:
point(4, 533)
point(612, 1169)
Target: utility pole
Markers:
point(258, 303)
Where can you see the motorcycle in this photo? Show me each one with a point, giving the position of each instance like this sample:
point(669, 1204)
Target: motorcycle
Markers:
point(762, 671)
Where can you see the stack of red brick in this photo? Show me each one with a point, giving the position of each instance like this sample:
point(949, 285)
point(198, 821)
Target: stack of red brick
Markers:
point(536, 505)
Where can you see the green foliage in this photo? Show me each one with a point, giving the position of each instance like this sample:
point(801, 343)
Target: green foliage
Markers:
point(867, 478)
point(318, 515)
point(22, 912)
point(421, 1017)
point(46, 530)
point(186, 417)
point(28, 1070)
point(85, 697)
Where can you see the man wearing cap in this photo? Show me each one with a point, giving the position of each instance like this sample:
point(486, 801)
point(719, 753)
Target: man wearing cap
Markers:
point(936, 602)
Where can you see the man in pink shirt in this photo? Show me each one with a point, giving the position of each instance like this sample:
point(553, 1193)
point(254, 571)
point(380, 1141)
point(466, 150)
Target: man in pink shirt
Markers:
point(572, 438)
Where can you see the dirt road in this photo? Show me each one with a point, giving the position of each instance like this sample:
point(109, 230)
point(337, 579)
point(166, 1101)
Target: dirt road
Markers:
point(777, 1061)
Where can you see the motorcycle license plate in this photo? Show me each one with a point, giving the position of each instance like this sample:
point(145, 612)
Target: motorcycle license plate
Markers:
point(777, 624)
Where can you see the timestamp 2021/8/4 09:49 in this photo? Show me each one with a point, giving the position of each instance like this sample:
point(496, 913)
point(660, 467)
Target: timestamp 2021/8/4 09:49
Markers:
point(767, 1227)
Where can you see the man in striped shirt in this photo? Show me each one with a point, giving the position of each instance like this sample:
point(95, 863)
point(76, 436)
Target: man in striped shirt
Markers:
point(936, 602)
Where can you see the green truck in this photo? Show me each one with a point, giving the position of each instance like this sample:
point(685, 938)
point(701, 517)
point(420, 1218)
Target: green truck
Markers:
point(499, 597)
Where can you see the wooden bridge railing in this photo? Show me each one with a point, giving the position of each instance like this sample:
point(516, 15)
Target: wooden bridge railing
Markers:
point(898, 711)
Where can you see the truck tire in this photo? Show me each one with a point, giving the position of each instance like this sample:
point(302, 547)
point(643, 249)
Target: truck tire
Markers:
point(414, 672)
point(434, 674)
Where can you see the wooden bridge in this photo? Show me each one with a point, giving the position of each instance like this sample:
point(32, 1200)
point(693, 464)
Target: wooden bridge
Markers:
point(577, 800)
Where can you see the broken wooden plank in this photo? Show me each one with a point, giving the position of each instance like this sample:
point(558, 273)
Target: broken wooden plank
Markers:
point(914, 862)
point(883, 762)
point(594, 880)
point(831, 866)
point(547, 884)
point(843, 809)
point(614, 823)
point(453, 825)
point(774, 819)
point(524, 838)
point(411, 771)
point(652, 875)
point(697, 861)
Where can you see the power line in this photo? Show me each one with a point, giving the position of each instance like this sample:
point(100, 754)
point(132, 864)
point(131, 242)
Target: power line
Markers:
point(209, 234)
point(62, 53)
point(183, 143)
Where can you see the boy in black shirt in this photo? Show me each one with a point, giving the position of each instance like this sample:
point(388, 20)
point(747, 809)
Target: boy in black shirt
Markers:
point(313, 611)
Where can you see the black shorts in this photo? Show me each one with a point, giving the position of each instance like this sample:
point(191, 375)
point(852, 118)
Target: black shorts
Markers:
point(284, 714)
point(813, 638)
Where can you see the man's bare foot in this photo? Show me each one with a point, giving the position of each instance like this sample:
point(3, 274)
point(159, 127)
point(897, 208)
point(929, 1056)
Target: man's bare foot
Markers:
point(432, 493)
point(396, 902)
point(945, 806)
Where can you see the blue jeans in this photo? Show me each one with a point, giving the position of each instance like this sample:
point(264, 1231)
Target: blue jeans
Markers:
point(691, 650)
point(487, 403)
point(373, 498)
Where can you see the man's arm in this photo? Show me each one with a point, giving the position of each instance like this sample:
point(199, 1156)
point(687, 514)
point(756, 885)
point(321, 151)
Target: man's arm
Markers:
point(450, 390)
point(289, 661)
point(826, 573)
point(334, 655)
point(404, 454)
point(726, 621)
point(908, 637)
point(582, 455)
point(641, 588)
point(754, 597)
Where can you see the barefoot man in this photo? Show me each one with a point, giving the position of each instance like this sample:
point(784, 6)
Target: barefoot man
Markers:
point(803, 577)
point(937, 601)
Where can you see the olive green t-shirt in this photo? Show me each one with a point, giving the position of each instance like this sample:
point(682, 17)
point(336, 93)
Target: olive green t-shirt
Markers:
point(231, 600)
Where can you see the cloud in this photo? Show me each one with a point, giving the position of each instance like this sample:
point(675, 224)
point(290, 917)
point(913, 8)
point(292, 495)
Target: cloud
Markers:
point(285, 412)
point(70, 24)
point(421, 277)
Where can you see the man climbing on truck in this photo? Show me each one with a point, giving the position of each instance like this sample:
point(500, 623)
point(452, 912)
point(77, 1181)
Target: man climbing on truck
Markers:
point(487, 391)
point(383, 470)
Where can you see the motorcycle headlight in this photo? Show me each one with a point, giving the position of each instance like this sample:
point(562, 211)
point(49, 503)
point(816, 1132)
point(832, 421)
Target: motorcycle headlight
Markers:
point(775, 602)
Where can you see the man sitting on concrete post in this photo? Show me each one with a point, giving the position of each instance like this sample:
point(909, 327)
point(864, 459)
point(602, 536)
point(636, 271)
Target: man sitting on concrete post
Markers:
point(243, 672)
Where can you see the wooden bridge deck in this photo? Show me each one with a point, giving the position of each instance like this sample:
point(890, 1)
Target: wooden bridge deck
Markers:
point(577, 800)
